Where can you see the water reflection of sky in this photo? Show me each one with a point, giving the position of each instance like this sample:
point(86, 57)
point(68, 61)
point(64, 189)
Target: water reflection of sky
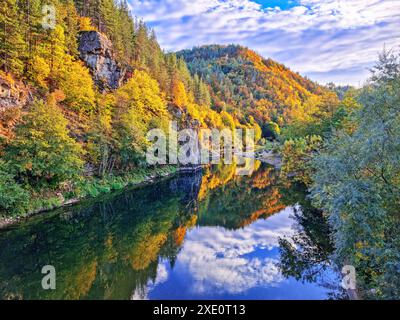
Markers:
point(216, 263)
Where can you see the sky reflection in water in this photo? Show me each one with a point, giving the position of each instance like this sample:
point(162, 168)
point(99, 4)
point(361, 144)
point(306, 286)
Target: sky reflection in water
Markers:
point(216, 263)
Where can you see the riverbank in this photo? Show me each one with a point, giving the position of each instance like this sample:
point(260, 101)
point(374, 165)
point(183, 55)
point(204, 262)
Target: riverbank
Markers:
point(91, 189)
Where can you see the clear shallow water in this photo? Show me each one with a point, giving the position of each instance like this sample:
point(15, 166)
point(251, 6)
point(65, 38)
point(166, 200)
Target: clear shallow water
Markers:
point(209, 235)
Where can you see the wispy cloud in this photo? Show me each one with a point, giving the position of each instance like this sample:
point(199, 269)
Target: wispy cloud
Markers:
point(233, 262)
point(328, 40)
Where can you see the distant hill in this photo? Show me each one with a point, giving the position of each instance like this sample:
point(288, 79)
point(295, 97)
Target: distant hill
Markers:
point(243, 82)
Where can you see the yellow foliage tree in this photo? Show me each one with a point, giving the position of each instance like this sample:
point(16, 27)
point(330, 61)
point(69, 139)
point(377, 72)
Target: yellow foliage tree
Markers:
point(77, 84)
point(139, 108)
point(227, 120)
point(180, 98)
point(85, 24)
point(39, 71)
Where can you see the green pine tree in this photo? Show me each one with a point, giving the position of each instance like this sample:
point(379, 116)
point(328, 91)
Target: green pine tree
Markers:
point(12, 44)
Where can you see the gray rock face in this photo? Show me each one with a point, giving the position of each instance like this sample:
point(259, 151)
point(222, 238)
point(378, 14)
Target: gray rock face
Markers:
point(96, 51)
point(12, 94)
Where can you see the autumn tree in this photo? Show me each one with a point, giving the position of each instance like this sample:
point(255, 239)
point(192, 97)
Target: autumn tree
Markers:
point(12, 44)
point(139, 107)
point(85, 24)
point(78, 87)
point(42, 152)
point(179, 95)
point(68, 17)
point(100, 144)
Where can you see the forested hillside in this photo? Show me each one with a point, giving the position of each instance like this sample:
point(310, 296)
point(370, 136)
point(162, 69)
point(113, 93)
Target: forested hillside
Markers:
point(249, 86)
point(83, 82)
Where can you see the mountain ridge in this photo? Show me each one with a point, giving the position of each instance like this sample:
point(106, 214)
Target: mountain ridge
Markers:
point(244, 82)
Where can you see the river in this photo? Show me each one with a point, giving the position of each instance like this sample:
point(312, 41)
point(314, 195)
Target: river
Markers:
point(204, 235)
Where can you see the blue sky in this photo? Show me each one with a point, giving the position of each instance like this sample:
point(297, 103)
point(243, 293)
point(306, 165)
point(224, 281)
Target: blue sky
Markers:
point(327, 40)
point(283, 4)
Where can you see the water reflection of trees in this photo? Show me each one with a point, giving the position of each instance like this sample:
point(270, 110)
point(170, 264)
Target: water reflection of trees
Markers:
point(105, 250)
point(236, 201)
point(306, 256)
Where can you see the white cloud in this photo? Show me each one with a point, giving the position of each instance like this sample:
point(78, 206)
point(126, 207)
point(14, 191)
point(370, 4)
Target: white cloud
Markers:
point(323, 38)
point(143, 293)
point(221, 261)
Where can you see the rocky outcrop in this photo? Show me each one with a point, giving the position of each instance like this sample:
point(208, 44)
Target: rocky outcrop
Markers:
point(13, 97)
point(96, 51)
point(12, 93)
point(186, 121)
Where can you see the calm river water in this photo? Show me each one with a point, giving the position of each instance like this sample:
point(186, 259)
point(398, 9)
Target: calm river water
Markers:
point(208, 235)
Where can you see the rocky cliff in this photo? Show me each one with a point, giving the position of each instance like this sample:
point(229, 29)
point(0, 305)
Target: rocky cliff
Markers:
point(12, 93)
point(96, 51)
point(13, 97)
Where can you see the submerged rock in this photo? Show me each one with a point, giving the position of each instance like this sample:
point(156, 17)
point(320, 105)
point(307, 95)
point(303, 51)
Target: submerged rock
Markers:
point(96, 50)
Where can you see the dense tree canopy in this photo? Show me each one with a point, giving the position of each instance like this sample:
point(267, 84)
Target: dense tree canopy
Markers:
point(42, 152)
point(244, 83)
point(357, 181)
